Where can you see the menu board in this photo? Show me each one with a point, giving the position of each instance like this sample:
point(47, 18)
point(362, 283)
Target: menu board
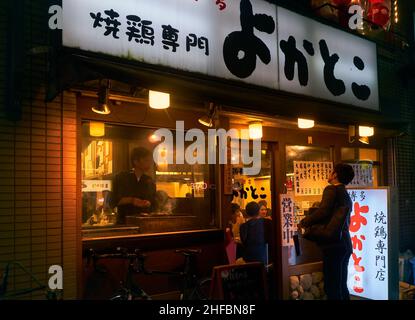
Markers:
point(239, 282)
point(363, 175)
point(310, 177)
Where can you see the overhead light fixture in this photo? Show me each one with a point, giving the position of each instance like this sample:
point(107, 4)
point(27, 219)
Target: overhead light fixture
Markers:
point(366, 131)
point(103, 98)
point(158, 100)
point(364, 140)
point(255, 130)
point(305, 123)
point(97, 129)
point(154, 138)
point(207, 120)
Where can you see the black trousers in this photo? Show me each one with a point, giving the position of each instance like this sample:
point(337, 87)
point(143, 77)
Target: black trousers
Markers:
point(335, 265)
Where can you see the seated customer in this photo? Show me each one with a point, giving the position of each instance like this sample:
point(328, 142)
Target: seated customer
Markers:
point(254, 236)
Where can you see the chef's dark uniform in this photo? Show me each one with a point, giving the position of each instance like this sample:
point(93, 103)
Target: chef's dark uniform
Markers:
point(126, 184)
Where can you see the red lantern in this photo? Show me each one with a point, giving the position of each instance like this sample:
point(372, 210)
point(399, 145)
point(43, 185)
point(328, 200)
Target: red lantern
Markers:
point(379, 14)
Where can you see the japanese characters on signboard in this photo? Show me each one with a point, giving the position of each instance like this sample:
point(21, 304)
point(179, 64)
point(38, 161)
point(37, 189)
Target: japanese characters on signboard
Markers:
point(287, 219)
point(189, 35)
point(251, 41)
point(310, 177)
point(96, 185)
point(363, 175)
point(331, 64)
point(368, 265)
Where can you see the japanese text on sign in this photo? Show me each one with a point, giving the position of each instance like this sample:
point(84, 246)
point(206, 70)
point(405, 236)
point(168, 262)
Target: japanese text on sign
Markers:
point(310, 177)
point(363, 175)
point(368, 266)
point(257, 42)
point(287, 219)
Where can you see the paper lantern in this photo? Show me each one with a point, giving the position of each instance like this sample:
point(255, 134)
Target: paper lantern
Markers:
point(379, 14)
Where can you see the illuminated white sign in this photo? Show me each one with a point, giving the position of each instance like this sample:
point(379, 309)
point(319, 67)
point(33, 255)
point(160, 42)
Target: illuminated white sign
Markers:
point(96, 185)
point(287, 219)
point(251, 41)
point(182, 34)
point(368, 275)
point(324, 62)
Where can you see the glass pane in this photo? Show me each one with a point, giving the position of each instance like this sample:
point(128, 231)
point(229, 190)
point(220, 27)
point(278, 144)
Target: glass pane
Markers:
point(248, 188)
point(348, 154)
point(140, 196)
point(253, 188)
point(365, 157)
point(369, 154)
point(302, 203)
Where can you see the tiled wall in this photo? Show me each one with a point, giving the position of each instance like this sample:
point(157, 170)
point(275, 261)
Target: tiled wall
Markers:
point(38, 172)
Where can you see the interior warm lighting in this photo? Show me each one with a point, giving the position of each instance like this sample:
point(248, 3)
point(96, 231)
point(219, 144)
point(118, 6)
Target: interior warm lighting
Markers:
point(364, 140)
point(158, 100)
point(305, 123)
point(255, 130)
point(97, 129)
point(154, 138)
point(366, 131)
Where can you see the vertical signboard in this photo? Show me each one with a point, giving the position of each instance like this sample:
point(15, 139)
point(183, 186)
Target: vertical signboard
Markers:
point(287, 219)
point(368, 275)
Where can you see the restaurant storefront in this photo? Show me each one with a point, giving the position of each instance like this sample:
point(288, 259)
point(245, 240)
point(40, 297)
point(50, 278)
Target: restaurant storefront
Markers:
point(283, 77)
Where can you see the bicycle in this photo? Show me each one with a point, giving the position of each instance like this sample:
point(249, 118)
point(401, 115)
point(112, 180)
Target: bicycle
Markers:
point(128, 290)
point(5, 295)
point(192, 288)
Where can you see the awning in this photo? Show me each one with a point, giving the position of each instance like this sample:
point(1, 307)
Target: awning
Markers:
point(75, 68)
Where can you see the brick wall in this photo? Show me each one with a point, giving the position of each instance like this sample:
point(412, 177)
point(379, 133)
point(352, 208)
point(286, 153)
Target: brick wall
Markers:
point(38, 225)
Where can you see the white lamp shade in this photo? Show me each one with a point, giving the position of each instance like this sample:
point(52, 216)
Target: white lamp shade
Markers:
point(366, 131)
point(158, 100)
point(305, 123)
point(255, 130)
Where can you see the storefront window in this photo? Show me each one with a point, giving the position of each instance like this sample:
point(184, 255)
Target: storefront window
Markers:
point(367, 165)
point(307, 170)
point(253, 188)
point(117, 199)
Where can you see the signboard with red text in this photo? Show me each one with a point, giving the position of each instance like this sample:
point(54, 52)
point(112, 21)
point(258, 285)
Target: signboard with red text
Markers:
point(368, 275)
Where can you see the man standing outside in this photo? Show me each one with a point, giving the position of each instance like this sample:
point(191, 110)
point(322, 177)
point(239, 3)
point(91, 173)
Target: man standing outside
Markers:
point(134, 191)
point(336, 254)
